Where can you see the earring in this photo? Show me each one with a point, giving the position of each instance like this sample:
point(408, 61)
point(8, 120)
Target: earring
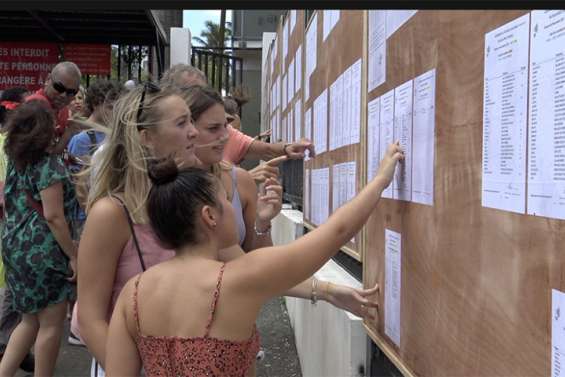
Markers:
point(214, 224)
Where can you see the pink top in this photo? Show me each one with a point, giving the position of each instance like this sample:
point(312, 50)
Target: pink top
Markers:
point(129, 264)
point(195, 356)
point(237, 146)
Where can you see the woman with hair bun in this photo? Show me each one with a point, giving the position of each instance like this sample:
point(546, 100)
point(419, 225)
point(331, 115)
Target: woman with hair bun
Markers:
point(195, 315)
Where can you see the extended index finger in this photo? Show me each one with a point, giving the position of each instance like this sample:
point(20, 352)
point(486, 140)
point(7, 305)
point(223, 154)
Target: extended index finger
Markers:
point(277, 160)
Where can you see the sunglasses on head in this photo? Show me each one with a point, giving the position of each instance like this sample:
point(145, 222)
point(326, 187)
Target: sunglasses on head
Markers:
point(152, 88)
point(62, 89)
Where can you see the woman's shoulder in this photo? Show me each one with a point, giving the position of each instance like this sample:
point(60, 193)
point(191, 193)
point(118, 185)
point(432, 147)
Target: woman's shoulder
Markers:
point(244, 180)
point(106, 206)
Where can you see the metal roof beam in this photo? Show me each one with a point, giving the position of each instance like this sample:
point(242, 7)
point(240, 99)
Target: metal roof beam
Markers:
point(46, 26)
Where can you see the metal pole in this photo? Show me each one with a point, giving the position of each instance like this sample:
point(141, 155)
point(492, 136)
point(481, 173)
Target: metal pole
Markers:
point(227, 76)
point(119, 62)
point(213, 71)
point(206, 65)
point(139, 57)
point(129, 62)
point(233, 72)
point(220, 71)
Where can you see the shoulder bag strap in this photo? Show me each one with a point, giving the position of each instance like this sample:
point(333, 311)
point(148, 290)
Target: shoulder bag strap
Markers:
point(130, 222)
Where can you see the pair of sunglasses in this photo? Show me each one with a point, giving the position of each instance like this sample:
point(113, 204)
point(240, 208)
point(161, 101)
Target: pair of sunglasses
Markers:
point(152, 88)
point(62, 89)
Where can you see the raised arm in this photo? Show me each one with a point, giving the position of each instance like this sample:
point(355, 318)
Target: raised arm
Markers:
point(270, 271)
point(260, 150)
point(105, 234)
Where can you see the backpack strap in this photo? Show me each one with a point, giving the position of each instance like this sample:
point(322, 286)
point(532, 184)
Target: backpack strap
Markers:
point(93, 142)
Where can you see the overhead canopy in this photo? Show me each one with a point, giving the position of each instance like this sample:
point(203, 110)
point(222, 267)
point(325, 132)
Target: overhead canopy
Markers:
point(135, 27)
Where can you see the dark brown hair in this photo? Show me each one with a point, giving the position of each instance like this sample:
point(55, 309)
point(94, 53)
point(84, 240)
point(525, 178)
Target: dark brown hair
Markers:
point(31, 129)
point(201, 98)
point(100, 92)
point(175, 200)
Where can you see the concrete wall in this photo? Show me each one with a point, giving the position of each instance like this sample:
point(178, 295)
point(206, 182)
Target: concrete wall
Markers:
point(329, 341)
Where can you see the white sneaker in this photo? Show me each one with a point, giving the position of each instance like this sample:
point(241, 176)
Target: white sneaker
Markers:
point(74, 340)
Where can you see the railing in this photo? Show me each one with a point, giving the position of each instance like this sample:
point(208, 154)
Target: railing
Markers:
point(223, 71)
point(292, 180)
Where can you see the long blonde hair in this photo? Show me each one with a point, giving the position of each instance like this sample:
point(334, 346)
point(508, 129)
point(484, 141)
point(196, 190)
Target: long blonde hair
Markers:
point(123, 161)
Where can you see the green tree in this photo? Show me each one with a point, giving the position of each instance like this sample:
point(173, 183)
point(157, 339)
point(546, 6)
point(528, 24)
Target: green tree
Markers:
point(211, 35)
point(210, 39)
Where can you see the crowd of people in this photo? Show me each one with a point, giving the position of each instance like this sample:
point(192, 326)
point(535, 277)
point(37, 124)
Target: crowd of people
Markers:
point(124, 208)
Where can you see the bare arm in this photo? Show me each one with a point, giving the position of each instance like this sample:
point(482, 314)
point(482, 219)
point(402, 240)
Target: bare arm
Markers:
point(105, 234)
point(122, 357)
point(271, 271)
point(351, 299)
point(260, 150)
point(54, 213)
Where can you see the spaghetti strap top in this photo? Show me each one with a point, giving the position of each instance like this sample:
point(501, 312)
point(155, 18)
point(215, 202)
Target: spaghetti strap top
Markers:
point(195, 356)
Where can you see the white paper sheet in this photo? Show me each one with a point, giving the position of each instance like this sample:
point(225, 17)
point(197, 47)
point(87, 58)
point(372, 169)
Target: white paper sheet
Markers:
point(393, 284)
point(320, 195)
point(298, 120)
point(308, 129)
point(291, 90)
point(395, 19)
point(292, 20)
point(505, 116)
point(332, 119)
point(423, 135)
point(386, 129)
point(340, 114)
point(373, 133)
point(285, 40)
point(298, 70)
point(284, 92)
point(546, 136)
point(343, 183)
point(290, 124)
point(355, 102)
point(330, 19)
point(377, 48)
point(557, 333)
point(311, 53)
point(274, 54)
point(402, 188)
point(347, 111)
point(321, 122)
point(306, 196)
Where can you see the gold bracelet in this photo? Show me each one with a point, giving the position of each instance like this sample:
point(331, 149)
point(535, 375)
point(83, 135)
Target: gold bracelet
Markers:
point(314, 296)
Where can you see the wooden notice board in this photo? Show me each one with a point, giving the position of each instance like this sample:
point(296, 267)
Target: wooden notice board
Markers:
point(293, 23)
point(343, 46)
point(275, 80)
point(475, 282)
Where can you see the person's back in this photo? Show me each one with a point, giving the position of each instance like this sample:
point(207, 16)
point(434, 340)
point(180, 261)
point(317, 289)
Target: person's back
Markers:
point(189, 322)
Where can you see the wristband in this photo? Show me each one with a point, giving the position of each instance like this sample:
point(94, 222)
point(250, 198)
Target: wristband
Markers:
point(314, 295)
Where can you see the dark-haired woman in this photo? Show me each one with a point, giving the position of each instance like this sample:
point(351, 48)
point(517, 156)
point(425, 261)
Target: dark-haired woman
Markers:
point(37, 242)
point(194, 315)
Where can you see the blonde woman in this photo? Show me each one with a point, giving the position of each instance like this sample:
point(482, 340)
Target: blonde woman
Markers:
point(149, 123)
point(117, 242)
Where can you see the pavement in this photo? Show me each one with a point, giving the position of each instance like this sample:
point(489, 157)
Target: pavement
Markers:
point(277, 341)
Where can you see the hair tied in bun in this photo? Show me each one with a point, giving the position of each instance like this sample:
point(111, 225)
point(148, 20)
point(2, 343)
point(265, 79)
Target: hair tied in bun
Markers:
point(163, 171)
